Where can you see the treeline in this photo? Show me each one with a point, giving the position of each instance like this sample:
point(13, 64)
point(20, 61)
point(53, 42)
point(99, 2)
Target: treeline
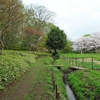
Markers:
point(24, 27)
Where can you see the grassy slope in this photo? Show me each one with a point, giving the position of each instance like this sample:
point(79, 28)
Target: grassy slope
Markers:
point(13, 64)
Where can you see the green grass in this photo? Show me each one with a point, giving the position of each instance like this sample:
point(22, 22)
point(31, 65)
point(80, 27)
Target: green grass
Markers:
point(82, 60)
point(61, 86)
point(86, 64)
point(58, 76)
point(86, 84)
point(90, 55)
point(13, 64)
point(42, 87)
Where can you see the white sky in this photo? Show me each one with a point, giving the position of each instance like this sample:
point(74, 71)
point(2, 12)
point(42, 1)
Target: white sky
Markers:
point(75, 17)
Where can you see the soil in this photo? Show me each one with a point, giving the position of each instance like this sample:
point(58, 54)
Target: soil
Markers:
point(29, 87)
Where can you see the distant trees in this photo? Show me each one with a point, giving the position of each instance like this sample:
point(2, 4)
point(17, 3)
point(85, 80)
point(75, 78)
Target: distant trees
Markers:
point(40, 16)
point(56, 40)
point(36, 22)
point(68, 47)
point(22, 27)
point(87, 43)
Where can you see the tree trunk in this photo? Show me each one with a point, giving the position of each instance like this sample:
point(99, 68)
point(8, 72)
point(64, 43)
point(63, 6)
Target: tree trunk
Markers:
point(55, 52)
point(1, 46)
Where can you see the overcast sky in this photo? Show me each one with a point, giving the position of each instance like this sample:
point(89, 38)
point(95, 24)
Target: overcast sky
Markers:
point(75, 17)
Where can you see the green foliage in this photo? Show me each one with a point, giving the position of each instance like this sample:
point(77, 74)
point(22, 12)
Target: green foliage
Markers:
point(63, 63)
point(85, 84)
point(56, 39)
point(86, 35)
point(41, 53)
point(58, 77)
point(56, 55)
point(42, 81)
point(68, 47)
point(48, 61)
point(11, 23)
point(61, 86)
point(13, 64)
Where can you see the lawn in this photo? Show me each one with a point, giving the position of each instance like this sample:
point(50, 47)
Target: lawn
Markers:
point(83, 55)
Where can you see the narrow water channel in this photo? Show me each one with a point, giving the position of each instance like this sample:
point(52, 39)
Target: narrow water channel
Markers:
point(70, 92)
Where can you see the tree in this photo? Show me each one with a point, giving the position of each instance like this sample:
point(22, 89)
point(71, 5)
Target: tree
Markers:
point(37, 19)
point(56, 40)
point(38, 16)
point(30, 37)
point(3, 4)
point(87, 43)
point(68, 47)
point(11, 18)
point(86, 35)
point(48, 28)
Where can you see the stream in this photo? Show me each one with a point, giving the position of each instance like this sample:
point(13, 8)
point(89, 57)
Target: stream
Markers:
point(69, 91)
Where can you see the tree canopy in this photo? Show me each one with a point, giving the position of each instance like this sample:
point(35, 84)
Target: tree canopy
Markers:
point(56, 39)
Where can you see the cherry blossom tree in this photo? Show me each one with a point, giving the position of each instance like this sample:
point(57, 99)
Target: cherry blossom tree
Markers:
point(87, 43)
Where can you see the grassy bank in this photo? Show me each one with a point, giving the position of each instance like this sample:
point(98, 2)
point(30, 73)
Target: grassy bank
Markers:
point(13, 64)
point(86, 84)
point(61, 86)
point(58, 76)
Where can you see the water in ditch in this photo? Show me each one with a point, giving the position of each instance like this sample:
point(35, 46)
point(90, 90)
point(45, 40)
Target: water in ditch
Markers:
point(69, 91)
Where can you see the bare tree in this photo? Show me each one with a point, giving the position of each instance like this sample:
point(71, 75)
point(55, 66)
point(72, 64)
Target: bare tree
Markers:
point(40, 16)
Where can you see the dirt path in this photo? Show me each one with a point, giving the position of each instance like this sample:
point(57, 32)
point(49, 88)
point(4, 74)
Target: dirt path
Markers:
point(90, 60)
point(29, 87)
